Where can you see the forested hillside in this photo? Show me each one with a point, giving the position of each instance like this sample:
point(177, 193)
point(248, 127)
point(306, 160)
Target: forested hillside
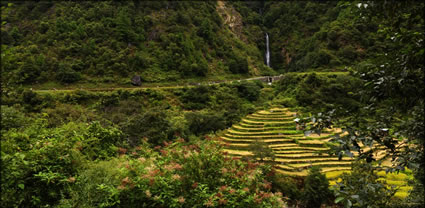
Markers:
point(109, 42)
point(336, 121)
point(309, 35)
point(161, 41)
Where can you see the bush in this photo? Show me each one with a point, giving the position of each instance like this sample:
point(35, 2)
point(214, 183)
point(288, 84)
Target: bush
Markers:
point(11, 118)
point(66, 74)
point(316, 189)
point(153, 125)
point(362, 188)
point(249, 90)
point(238, 65)
point(178, 175)
point(195, 98)
point(202, 123)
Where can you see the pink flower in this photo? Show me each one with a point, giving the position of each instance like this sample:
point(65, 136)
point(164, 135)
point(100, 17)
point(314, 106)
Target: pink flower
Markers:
point(222, 201)
point(209, 203)
point(223, 188)
point(177, 166)
point(224, 170)
point(195, 185)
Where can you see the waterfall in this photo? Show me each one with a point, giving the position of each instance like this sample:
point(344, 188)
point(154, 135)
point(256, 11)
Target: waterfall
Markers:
point(267, 50)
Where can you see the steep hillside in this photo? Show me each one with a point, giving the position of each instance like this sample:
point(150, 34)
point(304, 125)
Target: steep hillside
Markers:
point(69, 42)
point(308, 35)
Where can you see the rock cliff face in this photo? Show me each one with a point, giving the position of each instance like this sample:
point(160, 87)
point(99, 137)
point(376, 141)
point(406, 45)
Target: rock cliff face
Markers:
point(231, 18)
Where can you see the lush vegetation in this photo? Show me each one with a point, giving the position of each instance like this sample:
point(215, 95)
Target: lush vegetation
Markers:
point(68, 42)
point(342, 127)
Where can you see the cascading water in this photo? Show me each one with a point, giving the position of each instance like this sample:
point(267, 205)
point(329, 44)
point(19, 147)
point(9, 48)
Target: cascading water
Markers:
point(267, 50)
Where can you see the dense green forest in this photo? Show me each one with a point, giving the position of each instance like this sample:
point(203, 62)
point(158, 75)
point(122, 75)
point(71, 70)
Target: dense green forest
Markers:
point(341, 125)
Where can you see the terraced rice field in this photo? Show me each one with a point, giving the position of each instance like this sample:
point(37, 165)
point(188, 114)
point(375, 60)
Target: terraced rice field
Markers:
point(294, 152)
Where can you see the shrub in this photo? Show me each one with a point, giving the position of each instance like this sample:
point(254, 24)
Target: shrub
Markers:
point(249, 90)
point(152, 124)
point(361, 188)
point(202, 123)
point(177, 175)
point(316, 189)
point(11, 118)
point(195, 98)
point(66, 74)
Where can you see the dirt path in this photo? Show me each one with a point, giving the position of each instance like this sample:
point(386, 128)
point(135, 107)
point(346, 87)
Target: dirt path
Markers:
point(151, 87)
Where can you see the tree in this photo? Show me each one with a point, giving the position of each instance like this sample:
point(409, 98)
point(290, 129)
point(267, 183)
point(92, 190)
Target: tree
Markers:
point(392, 102)
point(316, 188)
point(361, 188)
point(261, 151)
point(153, 125)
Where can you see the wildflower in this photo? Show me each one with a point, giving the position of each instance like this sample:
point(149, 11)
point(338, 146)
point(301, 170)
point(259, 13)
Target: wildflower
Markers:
point(145, 139)
point(279, 194)
point(181, 140)
point(151, 181)
point(122, 151)
point(125, 181)
point(148, 193)
point(71, 179)
point(177, 166)
point(246, 189)
point(156, 198)
point(267, 185)
point(181, 199)
point(187, 155)
point(224, 170)
point(258, 200)
point(223, 188)
point(142, 159)
point(176, 177)
point(195, 185)
point(222, 201)
point(209, 203)
point(164, 152)
point(231, 191)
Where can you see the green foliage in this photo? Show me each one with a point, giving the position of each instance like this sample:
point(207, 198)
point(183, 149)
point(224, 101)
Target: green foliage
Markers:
point(318, 91)
point(40, 163)
point(238, 65)
point(179, 175)
point(202, 123)
point(11, 118)
point(152, 124)
point(316, 189)
point(72, 45)
point(261, 151)
point(250, 90)
point(195, 98)
point(361, 188)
